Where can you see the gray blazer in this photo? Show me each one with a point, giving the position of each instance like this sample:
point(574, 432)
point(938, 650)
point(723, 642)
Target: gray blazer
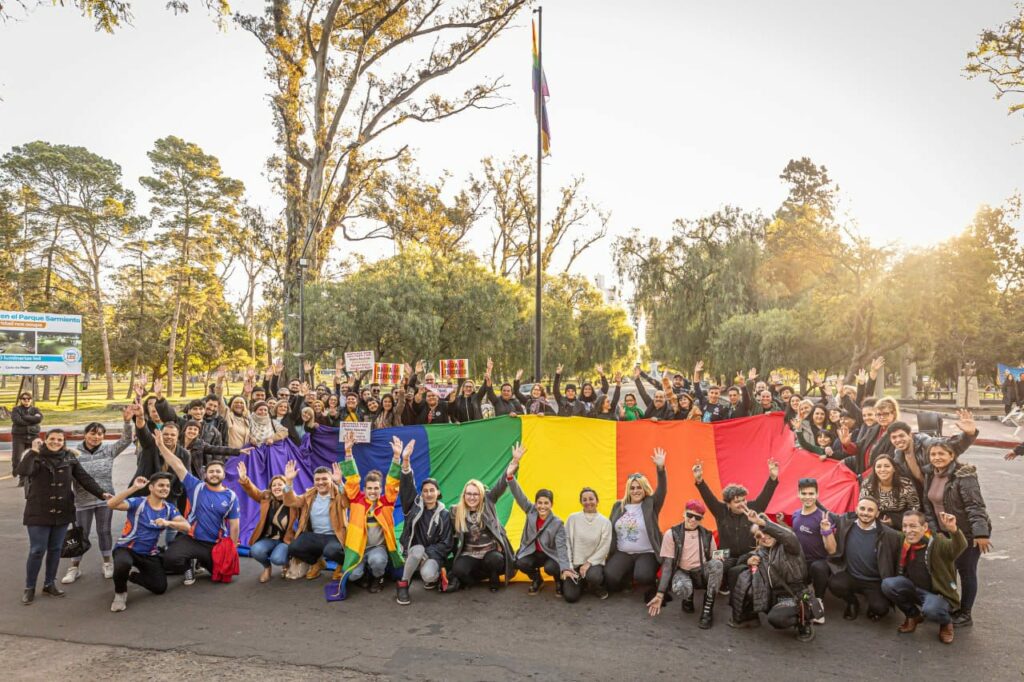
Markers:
point(551, 535)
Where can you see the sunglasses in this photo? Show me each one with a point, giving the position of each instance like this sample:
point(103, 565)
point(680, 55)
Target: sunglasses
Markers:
point(695, 517)
point(633, 477)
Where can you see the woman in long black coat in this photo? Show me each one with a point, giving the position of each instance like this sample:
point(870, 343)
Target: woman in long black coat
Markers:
point(50, 471)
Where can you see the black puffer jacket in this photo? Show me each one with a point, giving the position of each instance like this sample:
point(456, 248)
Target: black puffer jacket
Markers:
point(25, 421)
point(783, 562)
point(49, 491)
point(962, 498)
point(440, 538)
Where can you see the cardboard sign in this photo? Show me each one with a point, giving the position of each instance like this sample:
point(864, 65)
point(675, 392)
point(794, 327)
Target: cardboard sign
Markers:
point(359, 361)
point(388, 373)
point(454, 368)
point(442, 390)
point(360, 429)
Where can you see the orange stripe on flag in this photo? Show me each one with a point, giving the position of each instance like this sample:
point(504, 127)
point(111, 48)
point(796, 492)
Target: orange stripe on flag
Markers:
point(685, 442)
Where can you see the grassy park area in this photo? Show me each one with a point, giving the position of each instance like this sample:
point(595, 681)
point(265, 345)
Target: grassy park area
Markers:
point(92, 402)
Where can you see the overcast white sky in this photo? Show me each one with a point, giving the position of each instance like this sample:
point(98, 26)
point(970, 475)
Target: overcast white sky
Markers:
point(671, 109)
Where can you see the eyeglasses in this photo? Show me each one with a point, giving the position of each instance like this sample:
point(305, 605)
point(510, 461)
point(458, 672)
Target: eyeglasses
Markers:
point(695, 517)
point(885, 413)
point(283, 394)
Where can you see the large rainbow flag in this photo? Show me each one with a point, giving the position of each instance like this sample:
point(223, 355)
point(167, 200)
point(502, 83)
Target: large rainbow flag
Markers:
point(567, 453)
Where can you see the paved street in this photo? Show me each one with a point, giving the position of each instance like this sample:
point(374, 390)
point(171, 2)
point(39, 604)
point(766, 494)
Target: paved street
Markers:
point(236, 631)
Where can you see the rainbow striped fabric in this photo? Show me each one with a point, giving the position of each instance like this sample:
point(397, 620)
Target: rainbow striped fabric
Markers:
point(540, 97)
point(566, 454)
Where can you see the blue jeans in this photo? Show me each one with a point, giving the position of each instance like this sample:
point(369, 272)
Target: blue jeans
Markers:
point(43, 540)
point(268, 551)
point(913, 601)
point(376, 558)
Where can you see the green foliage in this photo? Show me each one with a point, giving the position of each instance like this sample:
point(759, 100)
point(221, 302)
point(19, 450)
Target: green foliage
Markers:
point(999, 57)
point(411, 307)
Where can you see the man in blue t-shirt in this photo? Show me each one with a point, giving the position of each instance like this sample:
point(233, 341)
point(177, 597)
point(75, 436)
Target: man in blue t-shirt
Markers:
point(137, 547)
point(808, 528)
point(211, 511)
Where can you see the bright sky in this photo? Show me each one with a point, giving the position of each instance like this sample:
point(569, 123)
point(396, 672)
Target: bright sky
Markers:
point(670, 109)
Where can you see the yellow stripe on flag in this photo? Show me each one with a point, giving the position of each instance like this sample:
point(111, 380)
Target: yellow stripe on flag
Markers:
point(565, 455)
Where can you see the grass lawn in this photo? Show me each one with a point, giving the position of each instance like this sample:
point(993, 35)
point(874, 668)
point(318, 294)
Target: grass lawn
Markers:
point(92, 403)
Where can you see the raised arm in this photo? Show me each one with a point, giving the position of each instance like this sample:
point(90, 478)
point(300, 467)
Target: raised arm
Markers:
point(172, 459)
point(349, 469)
point(558, 384)
point(510, 477)
point(761, 503)
point(714, 505)
point(119, 502)
point(662, 490)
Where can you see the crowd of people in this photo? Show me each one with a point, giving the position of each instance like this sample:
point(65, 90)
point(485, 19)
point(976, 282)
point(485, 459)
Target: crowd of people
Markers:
point(913, 542)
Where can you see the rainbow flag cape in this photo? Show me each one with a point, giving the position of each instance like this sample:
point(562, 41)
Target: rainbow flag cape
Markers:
point(540, 97)
point(567, 453)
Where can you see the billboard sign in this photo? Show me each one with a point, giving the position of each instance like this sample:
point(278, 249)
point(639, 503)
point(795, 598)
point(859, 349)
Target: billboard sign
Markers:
point(40, 343)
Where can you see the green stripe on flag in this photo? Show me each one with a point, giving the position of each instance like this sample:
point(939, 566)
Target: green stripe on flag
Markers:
point(479, 449)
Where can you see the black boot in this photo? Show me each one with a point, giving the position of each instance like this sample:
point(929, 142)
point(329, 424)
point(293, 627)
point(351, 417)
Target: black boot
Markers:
point(707, 610)
point(536, 583)
point(688, 604)
point(376, 584)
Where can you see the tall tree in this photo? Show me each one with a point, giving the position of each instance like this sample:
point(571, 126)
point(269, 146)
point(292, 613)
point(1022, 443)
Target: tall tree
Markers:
point(192, 201)
point(347, 76)
point(999, 57)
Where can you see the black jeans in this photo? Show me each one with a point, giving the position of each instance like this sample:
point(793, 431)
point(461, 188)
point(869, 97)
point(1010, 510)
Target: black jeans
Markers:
point(818, 573)
point(19, 444)
point(846, 587)
point(572, 590)
point(183, 550)
point(470, 569)
point(733, 569)
point(623, 569)
point(967, 569)
point(150, 576)
point(532, 563)
point(310, 547)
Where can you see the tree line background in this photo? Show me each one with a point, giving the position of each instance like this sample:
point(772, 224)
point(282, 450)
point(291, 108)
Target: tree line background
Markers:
point(349, 84)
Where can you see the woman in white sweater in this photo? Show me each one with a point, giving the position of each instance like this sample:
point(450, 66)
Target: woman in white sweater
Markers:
point(589, 535)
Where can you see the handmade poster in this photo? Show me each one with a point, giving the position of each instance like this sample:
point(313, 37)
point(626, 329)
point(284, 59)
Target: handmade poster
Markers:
point(387, 373)
point(454, 368)
point(360, 429)
point(359, 361)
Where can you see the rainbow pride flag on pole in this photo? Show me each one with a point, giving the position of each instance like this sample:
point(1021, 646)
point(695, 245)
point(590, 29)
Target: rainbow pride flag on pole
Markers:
point(566, 454)
point(540, 96)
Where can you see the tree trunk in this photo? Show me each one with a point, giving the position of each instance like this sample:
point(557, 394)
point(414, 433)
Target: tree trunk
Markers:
point(184, 359)
point(108, 369)
point(46, 387)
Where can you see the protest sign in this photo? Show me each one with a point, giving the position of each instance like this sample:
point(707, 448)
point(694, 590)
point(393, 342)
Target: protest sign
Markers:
point(360, 429)
point(442, 390)
point(40, 343)
point(388, 373)
point(359, 361)
point(454, 368)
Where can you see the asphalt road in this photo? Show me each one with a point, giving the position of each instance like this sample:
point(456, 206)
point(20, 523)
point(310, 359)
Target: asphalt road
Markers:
point(245, 628)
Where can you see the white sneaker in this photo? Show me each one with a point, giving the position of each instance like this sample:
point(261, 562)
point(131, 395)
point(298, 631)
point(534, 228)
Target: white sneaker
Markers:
point(120, 602)
point(73, 574)
point(108, 569)
point(821, 620)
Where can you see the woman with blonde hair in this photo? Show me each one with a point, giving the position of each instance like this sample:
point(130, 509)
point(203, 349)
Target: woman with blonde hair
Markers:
point(482, 549)
point(637, 536)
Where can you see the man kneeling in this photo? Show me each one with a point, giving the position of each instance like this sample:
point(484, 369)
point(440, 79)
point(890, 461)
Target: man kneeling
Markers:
point(926, 586)
point(687, 551)
point(137, 548)
point(427, 537)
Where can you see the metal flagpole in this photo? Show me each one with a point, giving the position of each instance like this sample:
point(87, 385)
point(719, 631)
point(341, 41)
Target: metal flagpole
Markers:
point(538, 104)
